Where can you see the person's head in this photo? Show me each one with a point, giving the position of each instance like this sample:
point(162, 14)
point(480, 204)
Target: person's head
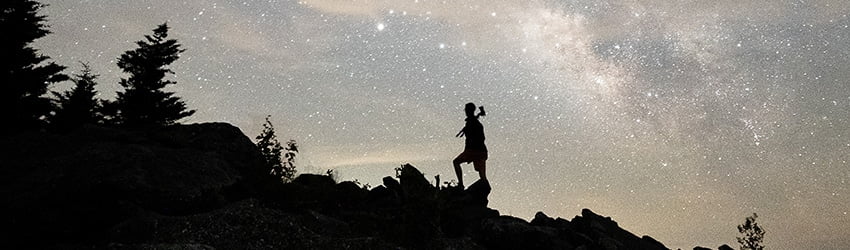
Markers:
point(469, 109)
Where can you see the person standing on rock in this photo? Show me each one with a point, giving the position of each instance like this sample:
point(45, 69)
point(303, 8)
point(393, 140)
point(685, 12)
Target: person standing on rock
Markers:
point(475, 151)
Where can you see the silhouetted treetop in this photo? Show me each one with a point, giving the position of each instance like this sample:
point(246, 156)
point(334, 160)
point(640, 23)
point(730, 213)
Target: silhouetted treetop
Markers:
point(280, 159)
point(752, 235)
point(21, 18)
point(143, 101)
point(146, 64)
point(78, 105)
point(24, 73)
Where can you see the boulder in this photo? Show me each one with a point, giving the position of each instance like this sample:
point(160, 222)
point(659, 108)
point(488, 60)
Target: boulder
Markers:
point(725, 247)
point(414, 185)
point(392, 184)
point(478, 192)
point(540, 219)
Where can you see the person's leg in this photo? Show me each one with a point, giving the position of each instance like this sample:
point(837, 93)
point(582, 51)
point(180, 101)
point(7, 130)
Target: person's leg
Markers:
point(482, 169)
point(456, 164)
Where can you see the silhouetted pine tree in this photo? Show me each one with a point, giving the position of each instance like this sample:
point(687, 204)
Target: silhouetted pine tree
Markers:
point(78, 105)
point(24, 73)
point(271, 150)
point(144, 102)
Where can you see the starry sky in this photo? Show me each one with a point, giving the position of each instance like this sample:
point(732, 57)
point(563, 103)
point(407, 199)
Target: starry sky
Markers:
point(676, 118)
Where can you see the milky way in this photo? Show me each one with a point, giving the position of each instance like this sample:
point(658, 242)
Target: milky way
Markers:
point(676, 118)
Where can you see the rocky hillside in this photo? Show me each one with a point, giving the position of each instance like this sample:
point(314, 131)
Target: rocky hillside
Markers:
point(203, 186)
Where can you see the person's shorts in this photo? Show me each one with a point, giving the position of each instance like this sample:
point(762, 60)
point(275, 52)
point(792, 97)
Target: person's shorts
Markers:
point(478, 159)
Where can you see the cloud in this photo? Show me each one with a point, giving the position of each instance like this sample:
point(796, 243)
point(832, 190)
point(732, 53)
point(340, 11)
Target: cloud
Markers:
point(511, 29)
point(371, 154)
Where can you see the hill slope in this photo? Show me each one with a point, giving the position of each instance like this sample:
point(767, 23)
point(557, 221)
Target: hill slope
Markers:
point(203, 186)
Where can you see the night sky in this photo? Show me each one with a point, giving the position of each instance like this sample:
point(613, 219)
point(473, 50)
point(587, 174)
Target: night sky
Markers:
point(676, 118)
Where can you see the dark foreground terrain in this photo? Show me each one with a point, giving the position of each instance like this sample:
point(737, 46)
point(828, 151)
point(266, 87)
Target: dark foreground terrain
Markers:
point(204, 186)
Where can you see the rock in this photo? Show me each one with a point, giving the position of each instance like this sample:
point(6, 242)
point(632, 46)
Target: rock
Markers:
point(653, 242)
point(478, 192)
point(381, 197)
point(461, 220)
point(540, 219)
point(413, 183)
point(349, 194)
point(392, 184)
point(596, 228)
point(463, 209)
point(305, 192)
point(701, 248)
point(725, 247)
point(507, 232)
point(608, 243)
point(314, 181)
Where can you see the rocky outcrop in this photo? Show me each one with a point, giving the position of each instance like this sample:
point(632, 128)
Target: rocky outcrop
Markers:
point(74, 186)
point(204, 186)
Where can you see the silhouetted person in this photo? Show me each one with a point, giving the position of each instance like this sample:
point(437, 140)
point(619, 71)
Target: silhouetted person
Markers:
point(475, 151)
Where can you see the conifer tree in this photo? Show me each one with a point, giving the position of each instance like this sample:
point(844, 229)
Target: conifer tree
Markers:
point(25, 75)
point(271, 150)
point(144, 102)
point(78, 105)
